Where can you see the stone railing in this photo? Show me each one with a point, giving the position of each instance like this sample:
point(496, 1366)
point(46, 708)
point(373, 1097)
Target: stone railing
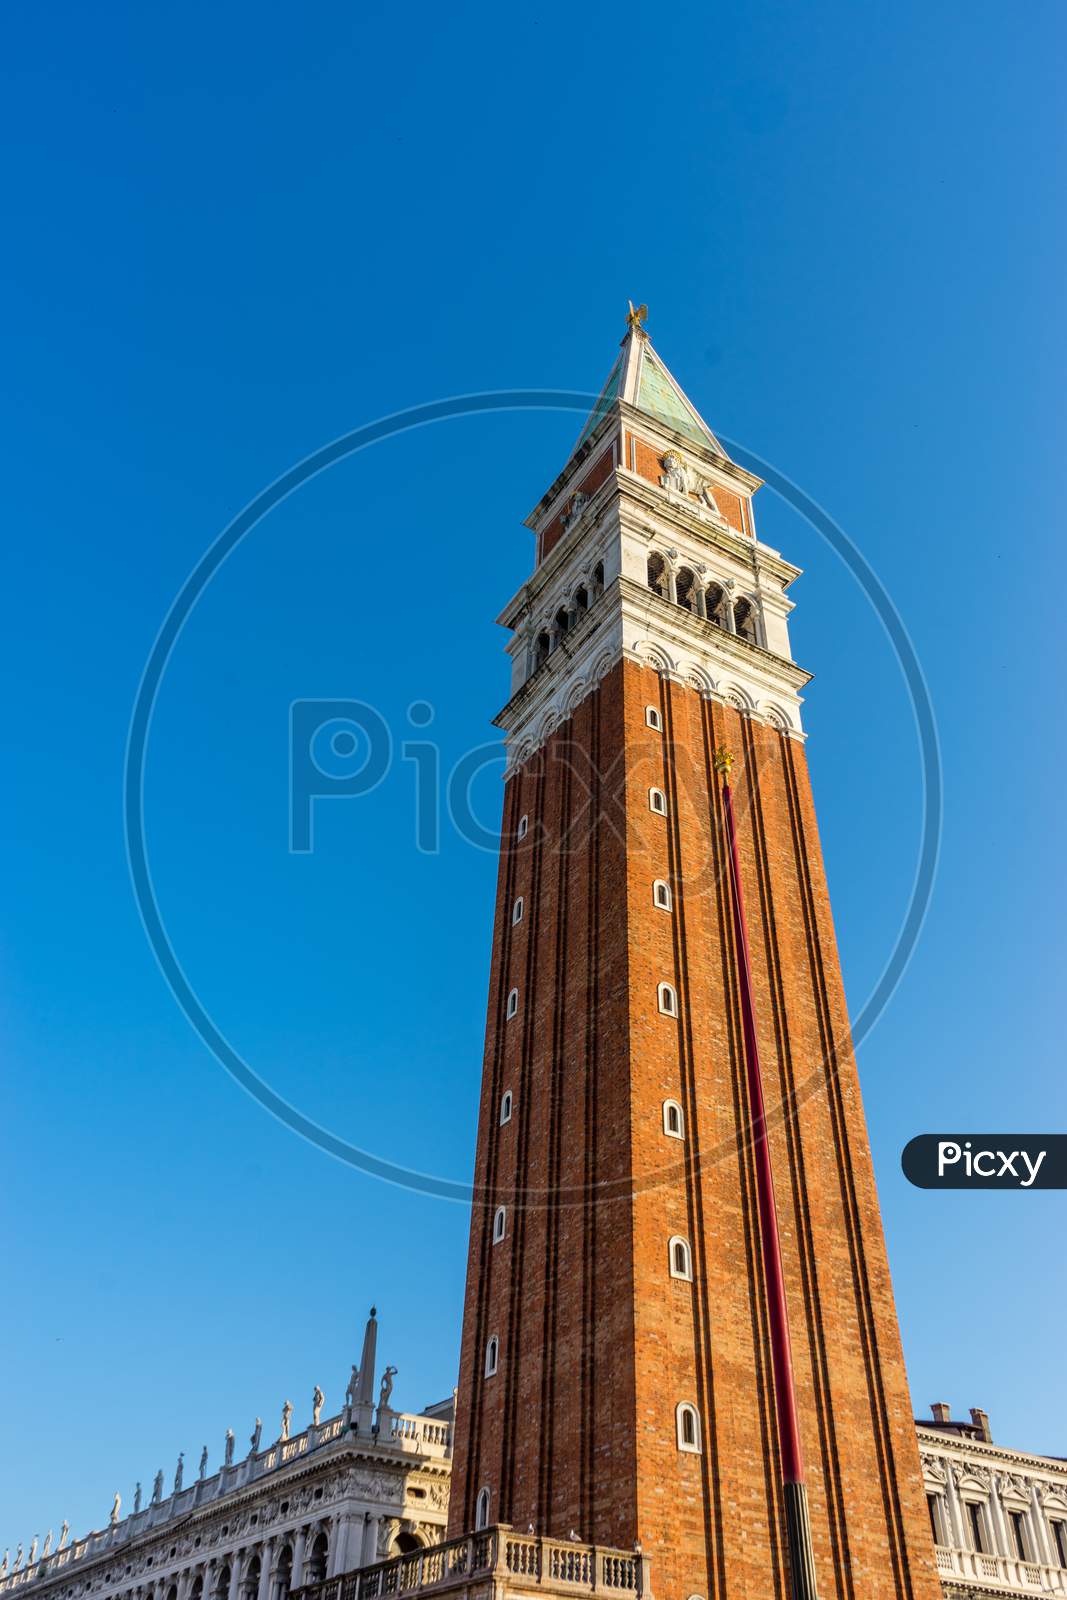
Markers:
point(521, 1560)
point(1018, 1577)
point(398, 1430)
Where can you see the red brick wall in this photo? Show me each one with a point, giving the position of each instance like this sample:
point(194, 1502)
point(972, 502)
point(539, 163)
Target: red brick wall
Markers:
point(598, 1342)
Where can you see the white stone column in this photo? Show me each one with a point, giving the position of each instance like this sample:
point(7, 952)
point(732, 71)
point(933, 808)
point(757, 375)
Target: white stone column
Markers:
point(299, 1546)
point(370, 1539)
point(1040, 1532)
point(235, 1575)
point(959, 1529)
point(1002, 1539)
point(265, 1560)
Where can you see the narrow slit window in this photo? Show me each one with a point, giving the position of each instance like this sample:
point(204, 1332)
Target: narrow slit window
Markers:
point(481, 1513)
point(653, 718)
point(524, 824)
point(500, 1223)
point(657, 802)
point(661, 895)
point(517, 910)
point(492, 1352)
point(506, 1103)
point(513, 1004)
point(668, 1000)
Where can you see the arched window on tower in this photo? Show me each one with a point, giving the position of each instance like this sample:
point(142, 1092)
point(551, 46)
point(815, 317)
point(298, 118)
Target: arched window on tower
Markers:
point(680, 1258)
point(668, 1000)
point(688, 1425)
point(492, 1355)
point(685, 590)
point(318, 1559)
point(598, 579)
point(657, 802)
point(542, 646)
point(657, 575)
point(481, 1509)
point(581, 600)
point(673, 1121)
point(561, 623)
point(745, 621)
point(713, 605)
point(661, 895)
point(506, 1104)
point(500, 1223)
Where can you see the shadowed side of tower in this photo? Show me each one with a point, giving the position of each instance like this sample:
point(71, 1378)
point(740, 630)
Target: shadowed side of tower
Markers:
point(617, 1369)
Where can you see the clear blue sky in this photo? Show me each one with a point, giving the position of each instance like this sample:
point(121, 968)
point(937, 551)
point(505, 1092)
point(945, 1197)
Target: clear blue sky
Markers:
point(234, 233)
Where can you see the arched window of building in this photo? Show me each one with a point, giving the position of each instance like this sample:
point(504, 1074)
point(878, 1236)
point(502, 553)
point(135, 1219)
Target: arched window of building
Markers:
point(745, 621)
point(523, 828)
point(513, 1004)
point(318, 1559)
point(542, 646)
point(657, 575)
point(197, 1590)
point(685, 591)
point(222, 1582)
point(481, 1510)
point(661, 895)
point(249, 1582)
point(561, 622)
point(406, 1544)
point(500, 1223)
point(653, 719)
point(714, 609)
point(680, 1258)
point(581, 600)
point(657, 802)
point(505, 1107)
point(688, 1424)
point(598, 579)
point(673, 1121)
point(492, 1352)
point(668, 1000)
point(516, 911)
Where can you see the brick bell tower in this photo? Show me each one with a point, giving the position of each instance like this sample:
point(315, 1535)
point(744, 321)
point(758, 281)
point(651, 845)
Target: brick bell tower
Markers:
point(679, 1328)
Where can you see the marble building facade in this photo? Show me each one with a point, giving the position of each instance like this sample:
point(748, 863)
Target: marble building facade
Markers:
point(350, 1489)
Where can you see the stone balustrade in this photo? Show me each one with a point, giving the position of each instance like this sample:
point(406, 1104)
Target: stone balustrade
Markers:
point(965, 1567)
point(520, 1561)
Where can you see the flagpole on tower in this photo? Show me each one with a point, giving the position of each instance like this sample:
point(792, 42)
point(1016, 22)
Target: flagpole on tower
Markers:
point(798, 1521)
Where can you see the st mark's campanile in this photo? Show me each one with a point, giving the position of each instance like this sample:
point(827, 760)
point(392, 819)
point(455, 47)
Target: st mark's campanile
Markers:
point(679, 1328)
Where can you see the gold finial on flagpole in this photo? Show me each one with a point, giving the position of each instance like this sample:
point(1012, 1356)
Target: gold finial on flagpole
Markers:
point(723, 762)
point(635, 317)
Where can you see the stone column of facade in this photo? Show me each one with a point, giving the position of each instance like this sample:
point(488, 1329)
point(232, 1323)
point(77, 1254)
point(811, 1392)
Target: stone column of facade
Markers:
point(236, 1567)
point(266, 1554)
point(300, 1540)
point(371, 1524)
point(1041, 1530)
point(959, 1533)
point(1003, 1543)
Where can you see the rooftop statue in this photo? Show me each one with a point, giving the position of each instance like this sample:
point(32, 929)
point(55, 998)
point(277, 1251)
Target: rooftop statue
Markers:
point(179, 1470)
point(317, 1399)
point(257, 1434)
point(115, 1508)
point(228, 1459)
point(203, 1462)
